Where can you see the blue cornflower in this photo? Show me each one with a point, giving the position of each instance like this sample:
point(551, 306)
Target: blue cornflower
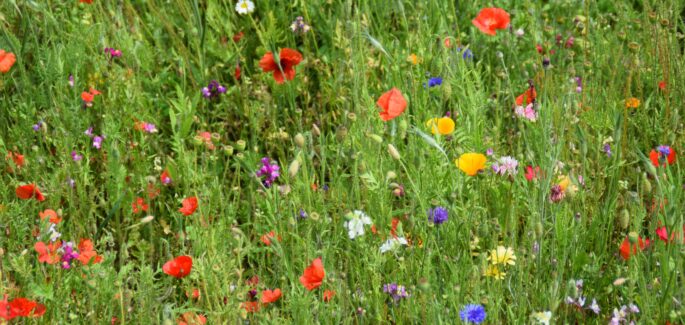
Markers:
point(437, 215)
point(473, 314)
point(432, 82)
point(467, 55)
point(396, 291)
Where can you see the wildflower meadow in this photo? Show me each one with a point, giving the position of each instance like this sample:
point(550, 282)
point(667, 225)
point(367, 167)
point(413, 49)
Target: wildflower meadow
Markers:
point(342, 162)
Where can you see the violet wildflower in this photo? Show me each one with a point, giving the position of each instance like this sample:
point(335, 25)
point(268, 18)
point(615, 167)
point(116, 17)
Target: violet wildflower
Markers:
point(97, 142)
point(579, 85)
point(71, 182)
point(664, 150)
point(75, 156)
point(467, 54)
point(268, 171)
point(299, 26)
point(438, 215)
point(149, 127)
point(594, 307)
point(71, 80)
point(214, 89)
point(69, 254)
point(36, 127)
point(607, 149)
point(489, 152)
point(472, 314)
point(432, 82)
point(89, 132)
point(302, 214)
point(506, 165)
point(395, 291)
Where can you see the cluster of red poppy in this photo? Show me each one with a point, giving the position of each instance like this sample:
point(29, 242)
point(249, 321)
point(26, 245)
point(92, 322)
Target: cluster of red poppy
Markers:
point(20, 307)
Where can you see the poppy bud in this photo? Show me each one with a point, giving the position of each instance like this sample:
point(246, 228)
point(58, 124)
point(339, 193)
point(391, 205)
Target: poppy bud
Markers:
point(228, 150)
point(294, 168)
point(624, 219)
point(315, 130)
point(299, 140)
point(375, 137)
point(404, 125)
point(390, 175)
point(633, 237)
point(240, 145)
point(646, 184)
point(240, 156)
point(393, 152)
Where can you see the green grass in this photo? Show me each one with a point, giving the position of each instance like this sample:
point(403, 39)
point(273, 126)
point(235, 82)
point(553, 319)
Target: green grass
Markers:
point(356, 51)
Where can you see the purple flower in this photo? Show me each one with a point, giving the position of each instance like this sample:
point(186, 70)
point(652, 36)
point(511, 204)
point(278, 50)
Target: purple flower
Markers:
point(432, 82)
point(71, 182)
point(149, 127)
point(89, 132)
point(71, 80)
point(579, 85)
point(213, 90)
point(556, 193)
point(97, 142)
point(607, 149)
point(69, 254)
point(473, 314)
point(75, 156)
point(489, 152)
point(467, 55)
point(37, 126)
point(113, 53)
point(268, 171)
point(299, 26)
point(594, 307)
point(438, 215)
point(664, 150)
point(397, 292)
point(302, 214)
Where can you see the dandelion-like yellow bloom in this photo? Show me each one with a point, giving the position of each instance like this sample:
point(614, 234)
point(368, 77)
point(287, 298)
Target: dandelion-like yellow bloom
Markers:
point(471, 163)
point(632, 102)
point(494, 272)
point(443, 125)
point(413, 59)
point(502, 255)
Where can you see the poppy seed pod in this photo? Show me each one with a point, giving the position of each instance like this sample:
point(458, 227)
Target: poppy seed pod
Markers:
point(299, 140)
point(198, 140)
point(393, 152)
point(216, 137)
point(633, 237)
point(294, 168)
point(228, 150)
point(240, 145)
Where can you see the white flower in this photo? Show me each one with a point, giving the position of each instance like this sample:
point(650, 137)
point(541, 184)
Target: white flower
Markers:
point(393, 243)
point(355, 226)
point(543, 317)
point(244, 7)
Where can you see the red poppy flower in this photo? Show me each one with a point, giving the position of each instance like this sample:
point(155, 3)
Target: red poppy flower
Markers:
point(250, 306)
point(288, 59)
point(627, 249)
point(528, 97)
point(663, 234)
point(16, 157)
point(266, 239)
point(489, 20)
point(51, 215)
point(28, 191)
point(271, 296)
point(195, 294)
point(139, 205)
point(532, 173)
point(89, 96)
point(392, 104)
point(189, 206)
point(5, 309)
point(328, 295)
point(393, 227)
point(237, 72)
point(25, 308)
point(657, 157)
point(165, 178)
point(313, 275)
point(48, 253)
point(191, 318)
point(87, 252)
point(662, 85)
point(7, 60)
point(179, 267)
point(238, 36)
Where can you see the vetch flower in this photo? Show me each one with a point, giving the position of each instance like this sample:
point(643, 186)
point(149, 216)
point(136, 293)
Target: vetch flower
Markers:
point(244, 7)
point(284, 68)
point(527, 112)
point(214, 89)
point(489, 20)
point(356, 222)
point(471, 163)
point(113, 53)
point(68, 254)
point(397, 292)
point(473, 314)
point(97, 142)
point(392, 104)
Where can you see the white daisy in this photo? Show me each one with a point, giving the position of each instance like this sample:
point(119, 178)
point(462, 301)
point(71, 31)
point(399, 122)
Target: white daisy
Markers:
point(244, 7)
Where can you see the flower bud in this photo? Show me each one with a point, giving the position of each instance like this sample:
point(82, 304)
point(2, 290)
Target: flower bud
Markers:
point(624, 219)
point(198, 140)
point(299, 140)
point(646, 184)
point(315, 130)
point(147, 219)
point(375, 137)
point(403, 127)
point(294, 168)
point(390, 175)
point(633, 237)
point(393, 152)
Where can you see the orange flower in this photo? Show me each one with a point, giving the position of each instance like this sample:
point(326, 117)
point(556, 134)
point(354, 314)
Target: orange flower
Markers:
point(189, 206)
point(328, 295)
point(87, 252)
point(51, 214)
point(288, 59)
point(471, 163)
point(632, 102)
point(266, 239)
point(627, 249)
point(489, 20)
point(528, 96)
point(392, 104)
point(28, 191)
point(86, 1)
point(269, 296)
point(250, 306)
point(7, 60)
point(191, 318)
point(313, 275)
point(179, 267)
point(48, 253)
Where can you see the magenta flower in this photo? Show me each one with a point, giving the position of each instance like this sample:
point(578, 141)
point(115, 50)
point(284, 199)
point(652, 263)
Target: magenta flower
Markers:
point(97, 142)
point(268, 171)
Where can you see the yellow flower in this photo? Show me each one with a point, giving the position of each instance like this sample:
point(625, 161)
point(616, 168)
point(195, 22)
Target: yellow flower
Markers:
point(493, 271)
point(470, 163)
point(413, 59)
point(443, 125)
point(543, 317)
point(632, 102)
point(502, 255)
point(564, 182)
